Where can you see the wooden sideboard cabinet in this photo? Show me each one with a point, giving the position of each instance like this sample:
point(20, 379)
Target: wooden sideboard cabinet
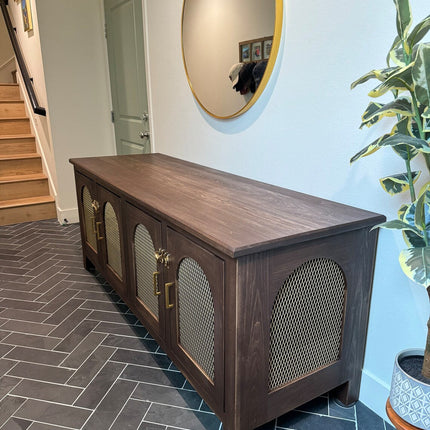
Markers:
point(260, 295)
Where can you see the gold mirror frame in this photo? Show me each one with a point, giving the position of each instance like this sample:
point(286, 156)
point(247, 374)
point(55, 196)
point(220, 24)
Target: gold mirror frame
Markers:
point(279, 13)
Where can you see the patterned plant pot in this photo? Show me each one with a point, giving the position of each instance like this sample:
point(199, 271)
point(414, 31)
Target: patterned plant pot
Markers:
point(409, 397)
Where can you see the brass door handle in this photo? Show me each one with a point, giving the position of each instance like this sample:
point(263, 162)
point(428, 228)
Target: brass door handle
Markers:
point(99, 236)
point(93, 222)
point(167, 296)
point(155, 276)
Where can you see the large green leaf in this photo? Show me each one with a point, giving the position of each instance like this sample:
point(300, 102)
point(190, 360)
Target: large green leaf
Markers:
point(421, 74)
point(415, 263)
point(397, 42)
point(392, 140)
point(403, 17)
point(404, 126)
point(400, 80)
point(412, 239)
point(422, 212)
point(369, 149)
point(397, 184)
point(418, 33)
point(400, 58)
point(397, 224)
point(400, 106)
point(381, 75)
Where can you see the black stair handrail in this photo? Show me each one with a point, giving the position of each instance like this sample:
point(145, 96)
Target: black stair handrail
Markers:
point(37, 109)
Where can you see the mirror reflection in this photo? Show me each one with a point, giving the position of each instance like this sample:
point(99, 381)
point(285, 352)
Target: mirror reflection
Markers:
point(229, 49)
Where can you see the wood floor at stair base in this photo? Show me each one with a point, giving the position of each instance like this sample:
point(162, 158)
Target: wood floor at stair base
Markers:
point(26, 213)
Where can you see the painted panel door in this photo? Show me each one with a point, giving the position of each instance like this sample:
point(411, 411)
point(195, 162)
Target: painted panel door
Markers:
point(125, 42)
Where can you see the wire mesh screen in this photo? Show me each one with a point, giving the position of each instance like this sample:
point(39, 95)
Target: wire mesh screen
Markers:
point(306, 322)
point(89, 218)
point(196, 315)
point(113, 243)
point(146, 265)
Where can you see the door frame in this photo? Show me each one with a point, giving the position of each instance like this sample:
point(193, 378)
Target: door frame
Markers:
point(147, 71)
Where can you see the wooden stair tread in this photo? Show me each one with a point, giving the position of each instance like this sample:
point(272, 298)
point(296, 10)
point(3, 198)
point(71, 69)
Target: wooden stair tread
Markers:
point(8, 84)
point(21, 178)
point(15, 118)
point(11, 101)
point(16, 136)
point(19, 156)
point(26, 201)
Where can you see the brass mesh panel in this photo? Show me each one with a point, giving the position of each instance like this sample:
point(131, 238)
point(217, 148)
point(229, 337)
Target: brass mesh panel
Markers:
point(113, 243)
point(306, 322)
point(89, 218)
point(196, 315)
point(146, 265)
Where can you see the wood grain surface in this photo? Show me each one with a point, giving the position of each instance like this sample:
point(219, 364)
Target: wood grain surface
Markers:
point(211, 204)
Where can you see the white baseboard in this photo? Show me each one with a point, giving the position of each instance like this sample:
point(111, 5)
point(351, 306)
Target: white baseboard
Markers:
point(67, 216)
point(374, 393)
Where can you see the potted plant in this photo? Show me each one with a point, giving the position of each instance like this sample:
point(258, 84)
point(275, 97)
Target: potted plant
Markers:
point(407, 78)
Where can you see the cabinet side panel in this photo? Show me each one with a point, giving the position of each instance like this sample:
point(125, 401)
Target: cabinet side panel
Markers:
point(252, 340)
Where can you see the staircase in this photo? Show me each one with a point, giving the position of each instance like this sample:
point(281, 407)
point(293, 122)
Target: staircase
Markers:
point(24, 190)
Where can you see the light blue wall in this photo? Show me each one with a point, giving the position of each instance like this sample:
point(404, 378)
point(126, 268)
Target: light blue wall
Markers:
point(301, 135)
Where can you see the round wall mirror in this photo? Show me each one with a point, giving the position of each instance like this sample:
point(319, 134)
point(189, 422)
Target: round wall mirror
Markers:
point(229, 49)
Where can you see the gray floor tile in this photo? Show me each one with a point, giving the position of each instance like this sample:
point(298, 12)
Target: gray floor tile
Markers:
point(183, 418)
point(30, 340)
point(41, 426)
point(99, 386)
point(7, 383)
point(62, 313)
point(70, 323)
point(126, 342)
point(46, 391)
point(168, 395)
point(111, 405)
point(20, 304)
point(59, 300)
point(131, 416)
point(152, 426)
point(92, 365)
point(97, 305)
point(41, 372)
point(121, 329)
point(76, 336)
point(18, 295)
point(52, 413)
point(8, 406)
point(34, 355)
point(4, 349)
point(28, 327)
point(153, 376)
point(16, 424)
point(306, 421)
point(111, 317)
point(23, 315)
point(81, 353)
point(142, 358)
point(6, 365)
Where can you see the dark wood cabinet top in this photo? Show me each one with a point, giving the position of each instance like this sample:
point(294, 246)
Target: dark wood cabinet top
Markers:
point(235, 215)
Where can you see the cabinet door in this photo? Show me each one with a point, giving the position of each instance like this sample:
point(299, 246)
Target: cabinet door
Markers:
point(87, 203)
point(146, 275)
point(194, 303)
point(111, 240)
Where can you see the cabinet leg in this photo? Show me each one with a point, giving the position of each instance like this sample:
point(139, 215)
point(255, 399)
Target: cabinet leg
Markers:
point(347, 394)
point(88, 265)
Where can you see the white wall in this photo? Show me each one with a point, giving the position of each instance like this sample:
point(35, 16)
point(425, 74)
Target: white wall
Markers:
point(301, 135)
point(77, 85)
point(7, 62)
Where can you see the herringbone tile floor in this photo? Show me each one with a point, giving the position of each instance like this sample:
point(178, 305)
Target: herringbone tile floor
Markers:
point(72, 355)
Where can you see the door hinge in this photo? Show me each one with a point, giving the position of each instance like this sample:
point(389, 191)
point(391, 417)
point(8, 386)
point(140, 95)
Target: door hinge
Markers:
point(112, 116)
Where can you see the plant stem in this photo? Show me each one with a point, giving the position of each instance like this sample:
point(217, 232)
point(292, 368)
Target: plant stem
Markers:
point(410, 179)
